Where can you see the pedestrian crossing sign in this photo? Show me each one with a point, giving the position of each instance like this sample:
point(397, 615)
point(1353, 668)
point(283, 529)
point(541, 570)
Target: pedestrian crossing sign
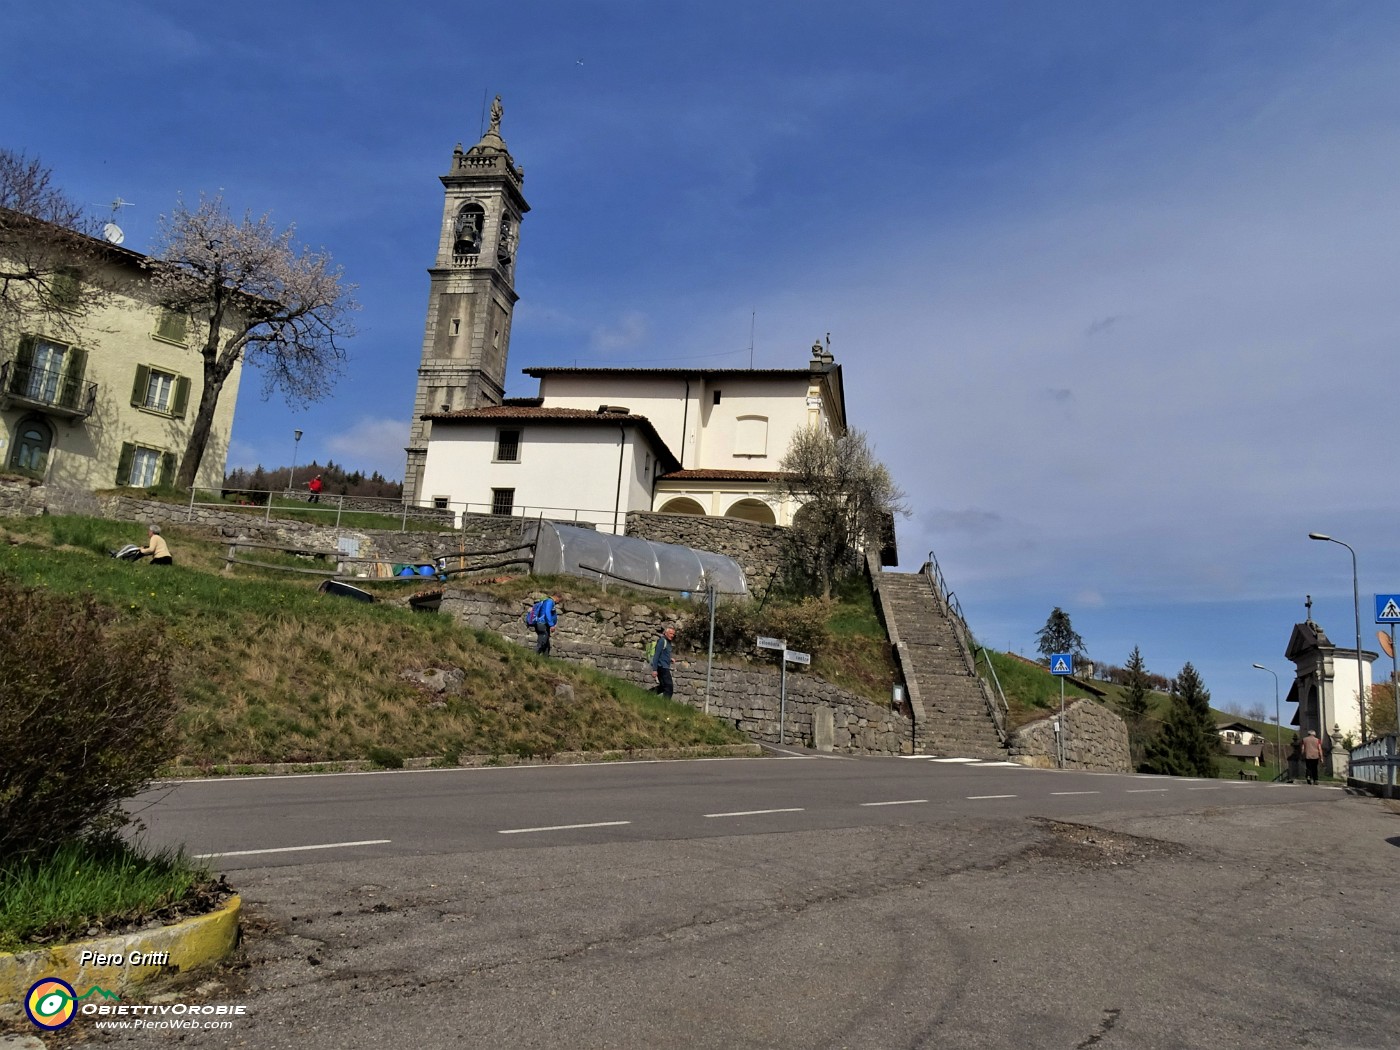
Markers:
point(1062, 663)
point(1388, 608)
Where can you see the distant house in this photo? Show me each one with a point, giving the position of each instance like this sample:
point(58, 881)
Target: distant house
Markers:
point(103, 397)
point(1239, 733)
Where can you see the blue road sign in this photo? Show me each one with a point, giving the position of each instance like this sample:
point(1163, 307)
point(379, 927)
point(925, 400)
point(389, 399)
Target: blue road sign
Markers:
point(1388, 608)
point(1062, 663)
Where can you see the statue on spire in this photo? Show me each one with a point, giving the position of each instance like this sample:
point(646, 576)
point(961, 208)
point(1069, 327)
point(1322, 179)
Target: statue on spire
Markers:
point(496, 112)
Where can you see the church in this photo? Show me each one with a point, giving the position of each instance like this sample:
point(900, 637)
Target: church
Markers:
point(594, 443)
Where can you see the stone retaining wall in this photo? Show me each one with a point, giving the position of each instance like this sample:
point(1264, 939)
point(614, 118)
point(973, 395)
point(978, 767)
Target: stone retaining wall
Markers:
point(759, 549)
point(818, 713)
point(1096, 739)
point(21, 498)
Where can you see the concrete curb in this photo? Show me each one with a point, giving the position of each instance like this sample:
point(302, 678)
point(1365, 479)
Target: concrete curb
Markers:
point(185, 946)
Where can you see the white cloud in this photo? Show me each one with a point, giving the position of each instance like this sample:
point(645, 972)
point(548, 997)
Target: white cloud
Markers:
point(371, 444)
point(628, 332)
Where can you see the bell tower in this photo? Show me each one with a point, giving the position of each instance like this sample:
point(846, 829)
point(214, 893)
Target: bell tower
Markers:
point(471, 291)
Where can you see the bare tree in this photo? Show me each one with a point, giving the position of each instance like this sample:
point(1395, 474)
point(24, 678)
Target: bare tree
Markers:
point(259, 300)
point(848, 500)
point(46, 251)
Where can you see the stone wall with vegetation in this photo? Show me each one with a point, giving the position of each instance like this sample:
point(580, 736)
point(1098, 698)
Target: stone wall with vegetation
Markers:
point(21, 498)
point(759, 549)
point(1096, 739)
point(818, 714)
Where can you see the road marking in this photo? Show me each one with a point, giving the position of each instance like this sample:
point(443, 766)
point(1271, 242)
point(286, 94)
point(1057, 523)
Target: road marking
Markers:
point(754, 812)
point(901, 802)
point(962, 760)
point(1145, 791)
point(562, 827)
point(1076, 792)
point(1203, 789)
point(289, 849)
point(975, 798)
point(1010, 765)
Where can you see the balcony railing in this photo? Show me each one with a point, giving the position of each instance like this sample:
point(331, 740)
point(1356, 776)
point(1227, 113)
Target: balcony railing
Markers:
point(48, 389)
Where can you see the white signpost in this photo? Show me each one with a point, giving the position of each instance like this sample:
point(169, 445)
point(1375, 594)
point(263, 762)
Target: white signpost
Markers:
point(790, 656)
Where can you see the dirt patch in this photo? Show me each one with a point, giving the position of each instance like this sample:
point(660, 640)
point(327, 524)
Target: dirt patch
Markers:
point(1083, 846)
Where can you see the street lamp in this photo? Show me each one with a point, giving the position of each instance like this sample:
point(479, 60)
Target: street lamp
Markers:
point(1278, 720)
point(296, 443)
point(1356, 605)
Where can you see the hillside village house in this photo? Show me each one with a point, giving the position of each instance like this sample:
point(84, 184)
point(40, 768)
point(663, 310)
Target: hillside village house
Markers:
point(105, 398)
point(596, 442)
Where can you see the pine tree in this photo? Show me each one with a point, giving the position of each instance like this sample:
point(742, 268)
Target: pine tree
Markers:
point(1135, 688)
point(1188, 742)
point(1059, 636)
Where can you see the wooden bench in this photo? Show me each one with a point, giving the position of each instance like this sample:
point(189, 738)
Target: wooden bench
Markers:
point(1249, 774)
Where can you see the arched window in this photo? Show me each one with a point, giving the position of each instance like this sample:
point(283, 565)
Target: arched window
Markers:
point(33, 439)
point(466, 234)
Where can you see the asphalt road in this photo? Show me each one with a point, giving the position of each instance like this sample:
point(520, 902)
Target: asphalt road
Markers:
point(802, 903)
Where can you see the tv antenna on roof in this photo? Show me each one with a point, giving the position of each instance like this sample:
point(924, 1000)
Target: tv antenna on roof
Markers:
point(110, 230)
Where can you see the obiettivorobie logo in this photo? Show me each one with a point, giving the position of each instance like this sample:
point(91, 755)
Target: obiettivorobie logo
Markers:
point(52, 1002)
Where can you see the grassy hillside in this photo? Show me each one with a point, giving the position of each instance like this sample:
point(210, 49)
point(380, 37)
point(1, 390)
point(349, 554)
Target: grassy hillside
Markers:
point(273, 671)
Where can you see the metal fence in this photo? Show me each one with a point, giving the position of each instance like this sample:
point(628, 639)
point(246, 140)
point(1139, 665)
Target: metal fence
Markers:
point(1375, 766)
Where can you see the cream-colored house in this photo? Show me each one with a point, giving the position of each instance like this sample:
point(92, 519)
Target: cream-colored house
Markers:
point(599, 442)
point(104, 397)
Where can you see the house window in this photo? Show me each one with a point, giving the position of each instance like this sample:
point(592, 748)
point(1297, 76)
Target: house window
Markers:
point(751, 436)
point(502, 501)
point(45, 368)
point(145, 467)
point(141, 466)
point(156, 390)
point(508, 446)
point(440, 503)
point(172, 326)
point(717, 395)
point(65, 288)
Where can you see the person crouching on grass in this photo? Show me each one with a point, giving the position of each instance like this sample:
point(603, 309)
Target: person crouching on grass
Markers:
point(156, 547)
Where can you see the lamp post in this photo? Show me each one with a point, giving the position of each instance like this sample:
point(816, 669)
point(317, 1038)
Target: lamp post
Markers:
point(1356, 605)
point(296, 444)
point(1278, 721)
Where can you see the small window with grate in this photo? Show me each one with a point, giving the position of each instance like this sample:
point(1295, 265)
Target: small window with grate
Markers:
point(502, 501)
point(508, 446)
point(439, 503)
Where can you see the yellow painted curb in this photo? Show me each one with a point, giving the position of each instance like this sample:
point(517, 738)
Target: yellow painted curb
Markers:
point(120, 963)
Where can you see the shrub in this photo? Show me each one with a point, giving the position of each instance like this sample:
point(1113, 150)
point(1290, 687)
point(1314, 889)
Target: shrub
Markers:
point(87, 707)
point(737, 624)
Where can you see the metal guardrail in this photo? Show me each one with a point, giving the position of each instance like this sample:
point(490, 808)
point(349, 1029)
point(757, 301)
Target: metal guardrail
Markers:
point(1376, 765)
point(997, 706)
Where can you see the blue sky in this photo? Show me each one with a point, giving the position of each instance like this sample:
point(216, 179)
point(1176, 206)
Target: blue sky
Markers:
point(1114, 284)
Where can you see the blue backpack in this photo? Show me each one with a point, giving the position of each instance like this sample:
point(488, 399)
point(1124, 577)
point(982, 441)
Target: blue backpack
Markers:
point(536, 613)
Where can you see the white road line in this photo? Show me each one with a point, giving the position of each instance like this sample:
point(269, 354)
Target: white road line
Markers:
point(562, 827)
point(901, 802)
point(1203, 789)
point(1076, 792)
point(288, 849)
point(754, 812)
point(1004, 765)
point(1145, 791)
point(975, 798)
point(962, 760)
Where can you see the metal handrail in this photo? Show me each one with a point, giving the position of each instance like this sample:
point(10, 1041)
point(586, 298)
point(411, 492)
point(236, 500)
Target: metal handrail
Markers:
point(997, 706)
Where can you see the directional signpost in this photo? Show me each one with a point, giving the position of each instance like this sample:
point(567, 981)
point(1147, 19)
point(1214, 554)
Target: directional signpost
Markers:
point(1062, 666)
point(790, 656)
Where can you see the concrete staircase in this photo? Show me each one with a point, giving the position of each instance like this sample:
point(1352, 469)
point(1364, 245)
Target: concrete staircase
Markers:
point(951, 712)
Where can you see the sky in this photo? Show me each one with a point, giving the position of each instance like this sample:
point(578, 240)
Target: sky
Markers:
point(1113, 284)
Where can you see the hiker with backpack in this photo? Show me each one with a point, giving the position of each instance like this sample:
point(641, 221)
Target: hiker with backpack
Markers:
point(543, 617)
point(661, 662)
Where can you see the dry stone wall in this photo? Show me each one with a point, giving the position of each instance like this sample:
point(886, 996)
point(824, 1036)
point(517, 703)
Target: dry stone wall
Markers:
point(759, 549)
point(21, 498)
point(818, 713)
point(1095, 738)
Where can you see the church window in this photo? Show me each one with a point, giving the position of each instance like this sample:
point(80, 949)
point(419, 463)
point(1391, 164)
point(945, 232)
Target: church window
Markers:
point(456, 326)
point(717, 395)
point(508, 446)
point(751, 436)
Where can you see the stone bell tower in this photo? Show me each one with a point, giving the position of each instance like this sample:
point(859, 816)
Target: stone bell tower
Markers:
point(471, 291)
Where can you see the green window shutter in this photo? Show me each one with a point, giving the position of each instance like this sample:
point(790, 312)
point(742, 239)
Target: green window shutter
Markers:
point(172, 326)
point(124, 463)
point(182, 397)
point(167, 469)
point(73, 377)
point(138, 390)
point(24, 361)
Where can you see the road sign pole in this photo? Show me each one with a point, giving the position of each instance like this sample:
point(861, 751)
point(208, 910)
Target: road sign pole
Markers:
point(1063, 726)
point(782, 700)
point(710, 658)
point(1394, 681)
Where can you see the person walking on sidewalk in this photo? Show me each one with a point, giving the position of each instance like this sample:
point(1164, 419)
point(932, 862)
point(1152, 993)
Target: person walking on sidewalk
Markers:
point(1312, 754)
point(661, 663)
